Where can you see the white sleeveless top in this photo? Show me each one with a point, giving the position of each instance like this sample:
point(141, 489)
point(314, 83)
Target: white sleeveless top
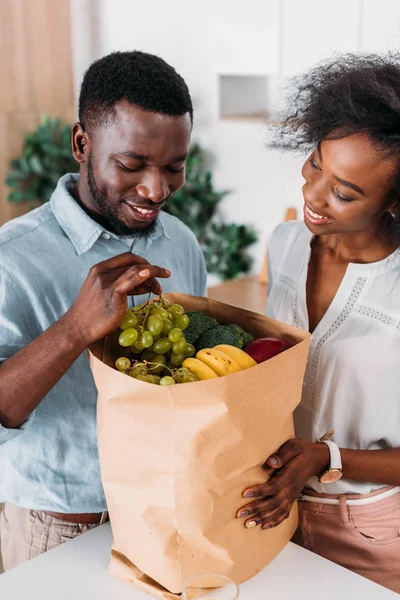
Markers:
point(352, 382)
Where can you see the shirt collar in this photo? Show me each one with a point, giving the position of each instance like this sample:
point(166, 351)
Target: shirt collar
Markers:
point(81, 229)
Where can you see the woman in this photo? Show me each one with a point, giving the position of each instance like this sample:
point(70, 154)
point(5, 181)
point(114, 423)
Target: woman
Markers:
point(338, 276)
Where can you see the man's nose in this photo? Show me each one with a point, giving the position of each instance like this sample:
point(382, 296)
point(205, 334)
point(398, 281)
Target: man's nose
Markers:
point(153, 187)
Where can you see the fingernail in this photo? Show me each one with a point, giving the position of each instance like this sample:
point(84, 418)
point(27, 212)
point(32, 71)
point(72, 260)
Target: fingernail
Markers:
point(251, 524)
point(248, 494)
point(273, 461)
point(168, 272)
point(243, 513)
point(144, 273)
point(266, 526)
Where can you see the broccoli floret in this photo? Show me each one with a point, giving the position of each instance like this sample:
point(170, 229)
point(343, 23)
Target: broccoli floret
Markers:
point(223, 334)
point(247, 338)
point(199, 323)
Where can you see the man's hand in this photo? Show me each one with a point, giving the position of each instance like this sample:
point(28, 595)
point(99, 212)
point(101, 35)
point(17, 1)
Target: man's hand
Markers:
point(102, 300)
point(289, 469)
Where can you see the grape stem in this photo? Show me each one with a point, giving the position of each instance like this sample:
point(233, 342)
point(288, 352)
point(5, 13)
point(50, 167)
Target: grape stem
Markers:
point(172, 371)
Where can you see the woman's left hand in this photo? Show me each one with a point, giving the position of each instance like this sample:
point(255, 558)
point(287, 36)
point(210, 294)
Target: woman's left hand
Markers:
point(289, 470)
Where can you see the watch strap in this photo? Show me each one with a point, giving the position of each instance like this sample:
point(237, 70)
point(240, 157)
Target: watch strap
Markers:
point(334, 451)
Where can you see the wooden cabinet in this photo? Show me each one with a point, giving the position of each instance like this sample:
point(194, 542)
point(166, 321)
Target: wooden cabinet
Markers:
point(36, 75)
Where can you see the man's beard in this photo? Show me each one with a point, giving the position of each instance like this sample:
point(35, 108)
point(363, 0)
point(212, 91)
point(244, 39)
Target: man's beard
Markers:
point(109, 213)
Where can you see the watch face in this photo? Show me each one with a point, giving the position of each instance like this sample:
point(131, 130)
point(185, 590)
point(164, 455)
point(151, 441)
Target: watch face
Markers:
point(331, 476)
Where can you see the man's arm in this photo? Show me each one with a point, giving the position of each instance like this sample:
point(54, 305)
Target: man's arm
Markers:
point(31, 373)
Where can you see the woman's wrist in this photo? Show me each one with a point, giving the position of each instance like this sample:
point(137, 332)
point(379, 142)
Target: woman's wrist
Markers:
point(322, 458)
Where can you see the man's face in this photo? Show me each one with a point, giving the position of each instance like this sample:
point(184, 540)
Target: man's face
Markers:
point(133, 166)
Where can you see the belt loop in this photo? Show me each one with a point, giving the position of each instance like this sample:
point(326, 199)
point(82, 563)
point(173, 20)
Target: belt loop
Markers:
point(104, 517)
point(344, 509)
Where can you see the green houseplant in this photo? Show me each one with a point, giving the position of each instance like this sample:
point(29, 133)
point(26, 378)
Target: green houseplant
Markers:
point(47, 156)
point(224, 245)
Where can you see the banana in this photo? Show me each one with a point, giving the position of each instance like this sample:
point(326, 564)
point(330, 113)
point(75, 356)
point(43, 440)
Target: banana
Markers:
point(199, 368)
point(218, 361)
point(239, 356)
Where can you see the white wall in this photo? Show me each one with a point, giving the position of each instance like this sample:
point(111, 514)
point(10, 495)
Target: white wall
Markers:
point(205, 38)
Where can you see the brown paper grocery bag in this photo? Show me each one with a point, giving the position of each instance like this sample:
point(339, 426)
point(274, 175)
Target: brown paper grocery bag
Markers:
point(175, 460)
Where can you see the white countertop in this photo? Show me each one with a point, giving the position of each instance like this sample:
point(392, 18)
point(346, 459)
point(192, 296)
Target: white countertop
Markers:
point(77, 570)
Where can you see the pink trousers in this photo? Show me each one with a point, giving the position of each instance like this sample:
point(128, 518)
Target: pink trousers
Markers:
point(364, 538)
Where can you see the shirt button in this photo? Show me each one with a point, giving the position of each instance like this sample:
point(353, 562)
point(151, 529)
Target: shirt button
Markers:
point(106, 236)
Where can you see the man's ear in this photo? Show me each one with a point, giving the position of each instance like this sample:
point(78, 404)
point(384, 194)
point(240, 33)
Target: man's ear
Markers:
point(80, 143)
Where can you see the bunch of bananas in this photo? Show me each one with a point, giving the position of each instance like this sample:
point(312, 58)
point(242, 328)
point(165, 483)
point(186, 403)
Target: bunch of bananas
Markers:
point(219, 361)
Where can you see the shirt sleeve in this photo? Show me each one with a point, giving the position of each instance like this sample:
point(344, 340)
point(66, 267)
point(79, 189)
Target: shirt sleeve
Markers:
point(14, 335)
point(202, 276)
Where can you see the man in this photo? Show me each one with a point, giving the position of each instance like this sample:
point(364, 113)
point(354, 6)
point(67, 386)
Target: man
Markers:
point(131, 142)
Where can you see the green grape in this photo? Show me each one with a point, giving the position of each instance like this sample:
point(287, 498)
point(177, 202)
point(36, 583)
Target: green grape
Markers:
point(138, 308)
point(181, 374)
point(178, 309)
point(162, 346)
point(128, 321)
point(182, 322)
point(128, 337)
point(167, 380)
point(157, 337)
point(146, 339)
point(138, 369)
point(149, 379)
point(148, 355)
point(123, 363)
point(166, 303)
point(136, 352)
point(175, 335)
point(158, 364)
point(190, 377)
point(160, 311)
point(179, 347)
point(177, 359)
point(171, 315)
point(138, 346)
point(167, 326)
point(155, 324)
point(185, 376)
point(190, 350)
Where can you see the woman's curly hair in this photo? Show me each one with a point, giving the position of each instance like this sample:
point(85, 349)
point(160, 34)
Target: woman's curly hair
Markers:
point(345, 95)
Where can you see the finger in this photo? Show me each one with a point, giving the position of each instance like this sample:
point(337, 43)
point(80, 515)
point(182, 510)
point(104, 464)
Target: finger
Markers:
point(125, 259)
point(268, 519)
point(136, 276)
point(280, 480)
point(276, 521)
point(257, 507)
point(286, 452)
point(151, 286)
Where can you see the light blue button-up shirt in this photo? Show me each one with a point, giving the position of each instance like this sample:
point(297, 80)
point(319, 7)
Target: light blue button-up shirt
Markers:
point(51, 462)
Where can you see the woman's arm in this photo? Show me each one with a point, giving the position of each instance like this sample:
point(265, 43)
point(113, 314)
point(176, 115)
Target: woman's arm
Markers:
point(296, 462)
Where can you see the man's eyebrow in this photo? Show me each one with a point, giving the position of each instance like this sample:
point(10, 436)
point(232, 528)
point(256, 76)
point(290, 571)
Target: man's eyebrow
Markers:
point(348, 184)
point(133, 155)
point(179, 158)
point(143, 157)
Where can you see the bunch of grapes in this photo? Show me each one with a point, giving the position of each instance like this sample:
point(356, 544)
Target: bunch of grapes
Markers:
point(153, 334)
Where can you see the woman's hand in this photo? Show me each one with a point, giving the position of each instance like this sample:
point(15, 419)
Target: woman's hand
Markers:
point(289, 469)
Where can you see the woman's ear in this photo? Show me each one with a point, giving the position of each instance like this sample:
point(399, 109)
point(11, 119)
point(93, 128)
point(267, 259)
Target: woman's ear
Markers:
point(80, 143)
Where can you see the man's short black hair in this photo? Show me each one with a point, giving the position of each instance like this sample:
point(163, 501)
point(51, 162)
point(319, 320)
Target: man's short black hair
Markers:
point(140, 78)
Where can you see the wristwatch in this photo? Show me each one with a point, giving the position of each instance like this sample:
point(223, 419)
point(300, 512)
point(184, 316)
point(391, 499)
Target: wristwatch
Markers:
point(334, 473)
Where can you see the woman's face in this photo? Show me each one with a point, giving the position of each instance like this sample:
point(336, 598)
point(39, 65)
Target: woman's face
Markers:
point(347, 186)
